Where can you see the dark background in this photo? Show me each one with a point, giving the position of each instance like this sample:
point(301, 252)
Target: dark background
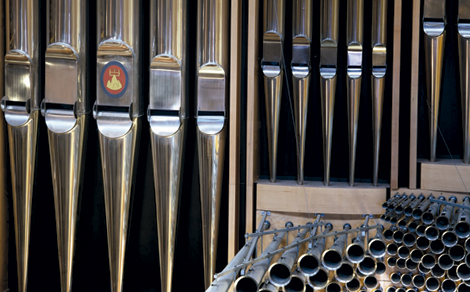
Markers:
point(90, 271)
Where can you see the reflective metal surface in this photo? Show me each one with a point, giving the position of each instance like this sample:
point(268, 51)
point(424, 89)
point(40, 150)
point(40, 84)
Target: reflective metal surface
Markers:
point(434, 21)
point(21, 105)
point(329, 13)
point(354, 73)
point(272, 66)
point(302, 40)
point(463, 29)
point(64, 109)
point(167, 115)
point(379, 69)
point(211, 118)
point(117, 110)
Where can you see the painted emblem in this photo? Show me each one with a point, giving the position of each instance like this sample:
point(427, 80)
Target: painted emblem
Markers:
point(114, 79)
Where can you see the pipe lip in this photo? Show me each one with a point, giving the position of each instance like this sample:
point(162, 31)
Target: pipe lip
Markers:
point(406, 279)
point(377, 248)
point(457, 253)
point(416, 255)
point(449, 238)
point(427, 218)
point(395, 277)
point(422, 269)
point(445, 262)
point(452, 274)
point(422, 243)
point(380, 268)
point(409, 239)
point(461, 287)
point(371, 282)
point(312, 280)
point(367, 266)
point(401, 263)
point(391, 262)
point(437, 272)
point(334, 259)
point(403, 252)
point(432, 284)
point(279, 274)
point(431, 233)
point(418, 281)
point(388, 234)
point(355, 253)
point(411, 265)
point(296, 284)
point(462, 229)
point(428, 261)
point(392, 249)
point(345, 273)
point(442, 223)
point(356, 283)
point(463, 272)
point(391, 289)
point(308, 264)
point(421, 230)
point(250, 284)
point(398, 236)
point(437, 247)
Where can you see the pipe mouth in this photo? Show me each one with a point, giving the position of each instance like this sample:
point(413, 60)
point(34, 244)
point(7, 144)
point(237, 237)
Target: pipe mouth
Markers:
point(391, 289)
point(406, 279)
point(392, 249)
point(401, 263)
point(422, 269)
point(408, 211)
point(442, 222)
point(332, 259)
point(431, 233)
point(388, 234)
point(402, 223)
point(394, 220)
point(428, 261)
point(279, 274)
point(457, 253)
point(422, 243)
point(416, 213)
point(399, 209)
point(308, 265)
point(410, 265)
point(392, 262)
point(449, 238)
point(418, 281)
point(395, 277)
point(409, 239)
point(463, 287)
point(427, 218)
point(452, 274)
point(367, 266)
point(398, 236)
point(432, 284)
point(370, 282)
point(421, 230)
point(377, 248)
point(246, 284)
point(437, 272)
point(345, 273)
point(355, 253)
point(403, 252)
point(462, 229)
point(448, 285)
point(319, 280)
point(380, 268)
point(463, 272)
point(296, 284)
point(412, 227)
point(353, 285)
point(437, 246)
point(333, 287)
point(401, 290)
point(308, 288)
point(445, 262)
point(467, 244)
point(416, 255)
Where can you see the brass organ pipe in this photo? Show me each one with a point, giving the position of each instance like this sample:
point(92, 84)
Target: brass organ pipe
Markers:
point(211, 118)
point(118, 74)
point(437, 272)
point(355, 251)
point(368, 266)
point(396, 203)
point(21, 107)
point(370, 282)
point(391, 289)
point(418, 281)
point(377, 247)
point(345, 272)
point(428, 260)
point(65, 109)
point(309, 262)
point(463, 287)
point(456, 252)
point(272, 66)
point(434, 21)
point(223, 284)
point(296, 283)
point(416, 255)
point(452, 274)
point(167, 115)
point(301, 43)
point(333, 257)
point(400, 208)
point(353, 285)
point(422, 207)
point(448, 285)
point(280, 273)
point(463, 29)
point(463, 271)
point(379, 69)
point(354, 73)
point(431, 233)
point(320, 279)
point(409, 209)
point(252, 279)
point(428, 216)
point(391, 200)
point(443, 221)
point(405, 279)
point(462, 228)
point(329, 27)
point(432, 284)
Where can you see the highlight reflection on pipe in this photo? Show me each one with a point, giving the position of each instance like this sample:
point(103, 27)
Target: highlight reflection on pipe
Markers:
point(463, 29)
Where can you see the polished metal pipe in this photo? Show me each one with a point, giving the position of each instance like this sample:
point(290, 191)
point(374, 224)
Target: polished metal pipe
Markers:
point(65, 109)
point(462, 228)
point(409, 209)
point(443, 221)
point(21, 107)
point(388, 233)
point(463, 271)
point(429, 216)
point(410, 264)
point(300, 65)
point(462, 287)
point(467, 244)
point(333, 287)
point(449, 238)
point(309, 262)
point(437, 272)
point(398, 236)
point(377, 247)
point(434, 21)
point(401, 289)
point(409, 239)
point(333, 257)
point(400, 208)
point(252, 279)
point(452, 273)
point(370, 282)
point(397, 202)
point(418, 281)
point(421, 230)
point(354, 73)
point(379, 69)
point(456, 252)
point(432, 284)
point(437, 247)
point(345, 272)
point(432, 233)
point(355, 251)
point(422, 207)
point(422, 269)
point(368, 266)
point(353, 285)
point(416, 255)
point(308, 288)
point(463, 29)
point(272, 66)
point(391, 200)
point(403, 252)
point(428, 260)
point(380, 268)
point(168, 115)
point(406, 279)
point(391, 289)
point(422, 243)
point(117, 111)
point(391, 262)
point(392, 249)
point(280, 273)
point(296, 283)
point(445, 262)
point(329, 30)
point(211, 118)
point(448, 285)
point(320, 279)
point(413, 225)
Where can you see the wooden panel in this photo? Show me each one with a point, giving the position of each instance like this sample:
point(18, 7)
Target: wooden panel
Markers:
point(252, 135)
point(234, 145)
point(396, 94)
point(436, 194)
point(314, 197)
point(3, 166)
point(449, 175)
point(414, 93)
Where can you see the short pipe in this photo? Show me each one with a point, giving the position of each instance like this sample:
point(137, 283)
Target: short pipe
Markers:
point(409, 239)
point(463, 272)
point(432, 284)
point(401, 263)
point(456, 253)
point(431, 233)
point(423, 270)
point(370, 282)
point(296, 284)
point(416, 255)
point(437, 272)
point(462, 229)
point(452, 273)
point(392, 249)
point(333, 287)
point(422, 243)
point(367, 266)
point(437, 247)
point(406, 280)
point(345, 273)
point(391, 262)
point(319, 280)
point(428, 261)
point(448, 285)
point(353, 285)
point(449, 238)
point(355, 253)
point(380, 268)
point(395, 277)
point(445, 262)
point(403, 252)
point(410, 265)
point(418, 281)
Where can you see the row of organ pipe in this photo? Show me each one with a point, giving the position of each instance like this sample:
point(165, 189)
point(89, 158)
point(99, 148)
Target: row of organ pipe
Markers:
point(118, 112)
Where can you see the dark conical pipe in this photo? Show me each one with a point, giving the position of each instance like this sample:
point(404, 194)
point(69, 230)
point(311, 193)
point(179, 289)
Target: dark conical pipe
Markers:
point(452, 273)
point(416, 255)
point(406, 279)
point(422, 243)
point(456, 253)
point(422, 269)
point(319, 280)
point(428, 260)
point(437, 272)
point(432, 284)
point(437, 247)
point(410, 265)
point(345, 273)
point(445, 262)
point(409, 239)
point(395, 277)
point(449, 238)
point(448, 285)
point(401, 263)
point(418, 281)
point(403, 252)
point(353, 285)
point(431, 233)
point(380, 268)
point(368, 266)
point(409, 209)
point(370, 282)
point(463, 271)
point(391, 262)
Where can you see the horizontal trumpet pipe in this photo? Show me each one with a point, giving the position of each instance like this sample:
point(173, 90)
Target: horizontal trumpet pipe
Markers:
point(445, 262)
point(422, 269)
point(368, 266)
point(437, 247)
point(333, 287)
point(422, 207)
point(410, 264)
point(296, 283)
point(432, 284)
point(443, 221)
point(431, 233)
point(405, 279)
point(409, 239)
point(416, 255)
point(353, 285)
point(333, 257)
point(463, 272)
point(452, 273)
point(398, 236)
point(370, 282)
point(268, 287)
point(391, 262)
point(377, 247)
point(403, 252)
point(428, 260)
point(456, 253)
point(449, 238)
point(418, 281)
point(400, 208)
point(448, 285)
point(421, 230)
point(395, 277)
point(429, 216)
point(345, 272)
point(467, 244)
point(437, 272)
point(319, 280)
point(380, 268)
point(309, 262)
point(391, 289)
point(391, 200)
point(292, 228)
point(409, 209)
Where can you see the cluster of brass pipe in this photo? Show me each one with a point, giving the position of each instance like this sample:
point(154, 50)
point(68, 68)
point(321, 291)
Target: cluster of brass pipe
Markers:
point(273, 68)
point(428, 242)
point(339, 266)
